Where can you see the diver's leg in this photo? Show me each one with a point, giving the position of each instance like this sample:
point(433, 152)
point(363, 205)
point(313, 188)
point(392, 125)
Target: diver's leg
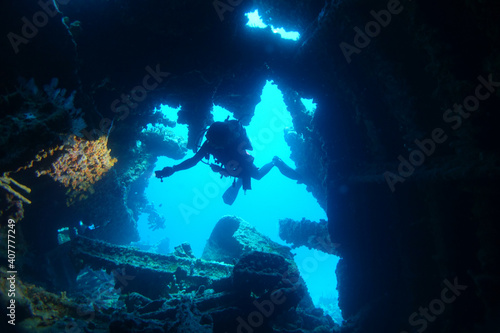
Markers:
point(232, 192)
point(286, 170)
point(264, 170)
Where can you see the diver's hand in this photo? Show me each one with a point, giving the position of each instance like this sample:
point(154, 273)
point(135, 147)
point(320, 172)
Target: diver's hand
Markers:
point(165, 172)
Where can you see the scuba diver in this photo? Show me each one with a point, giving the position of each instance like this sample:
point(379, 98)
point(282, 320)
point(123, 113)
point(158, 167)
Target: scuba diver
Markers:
point(228, 143)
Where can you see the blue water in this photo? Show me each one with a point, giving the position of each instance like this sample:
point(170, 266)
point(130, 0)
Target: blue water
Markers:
point(191, 200)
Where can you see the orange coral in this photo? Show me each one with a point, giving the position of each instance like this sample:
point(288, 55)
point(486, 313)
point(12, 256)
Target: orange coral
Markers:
point(40, 156)
point(83, 164)
point(14, 198)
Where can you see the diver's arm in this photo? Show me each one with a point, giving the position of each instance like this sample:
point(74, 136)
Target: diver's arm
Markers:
point(189, 163)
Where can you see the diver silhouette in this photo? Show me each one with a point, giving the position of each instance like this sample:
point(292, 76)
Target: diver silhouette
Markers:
point(228, 143)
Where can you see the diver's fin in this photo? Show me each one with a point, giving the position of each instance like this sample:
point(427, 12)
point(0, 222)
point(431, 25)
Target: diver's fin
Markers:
point(232, 192)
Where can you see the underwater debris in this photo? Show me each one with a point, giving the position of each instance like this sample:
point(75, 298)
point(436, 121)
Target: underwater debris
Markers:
point(233, 236)
point(184, 250)
point(83, 164)
point(155, 275)
point(182, 294)
point(190, 319)
point(122, 289)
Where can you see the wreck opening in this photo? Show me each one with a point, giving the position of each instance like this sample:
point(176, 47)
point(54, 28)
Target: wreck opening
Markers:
point(187, 206)
point(255, 21)
point(78, 154)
